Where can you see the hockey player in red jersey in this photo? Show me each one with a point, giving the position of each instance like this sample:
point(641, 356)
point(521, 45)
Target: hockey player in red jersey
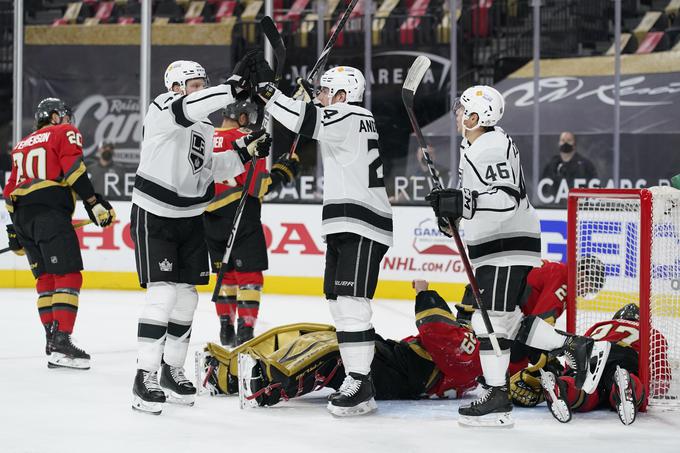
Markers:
point(47, 172)
point(242, 284)
point(442, 360)
point(620, 387)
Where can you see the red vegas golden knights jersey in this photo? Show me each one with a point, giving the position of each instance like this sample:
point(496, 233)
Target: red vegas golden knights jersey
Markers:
point(46, 165)
point(548, 294)
point(226, 192)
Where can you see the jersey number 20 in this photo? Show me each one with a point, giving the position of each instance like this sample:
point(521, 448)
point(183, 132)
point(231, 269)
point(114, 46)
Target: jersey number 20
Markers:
point(34, 166)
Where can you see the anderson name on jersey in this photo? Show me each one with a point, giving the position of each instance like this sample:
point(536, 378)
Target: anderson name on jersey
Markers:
point(177, 166)
point(354, 199)
point(504, 230)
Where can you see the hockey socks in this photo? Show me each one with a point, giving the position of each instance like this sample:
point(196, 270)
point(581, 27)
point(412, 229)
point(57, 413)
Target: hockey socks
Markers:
point(44, 285)
point(65, 300)
point(225, 305)
point(537, 333)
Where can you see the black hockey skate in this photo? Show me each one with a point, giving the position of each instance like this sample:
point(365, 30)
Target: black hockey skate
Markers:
point(49, 337)
point(577, 351)
point(624, 397)
point(227, 333)
point(493, 408)
point(147, 394)
point(178, 389)
point(244, 333)
point(555, 392)
point(64, 354)
point(355, 396)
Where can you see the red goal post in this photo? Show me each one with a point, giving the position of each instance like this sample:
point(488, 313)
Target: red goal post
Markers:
point(635, 233)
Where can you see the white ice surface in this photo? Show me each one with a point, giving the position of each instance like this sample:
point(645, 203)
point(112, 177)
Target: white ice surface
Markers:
point(55, 411)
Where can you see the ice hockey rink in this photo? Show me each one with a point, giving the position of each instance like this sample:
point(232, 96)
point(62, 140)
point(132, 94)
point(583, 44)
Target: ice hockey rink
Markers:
point(46, 410)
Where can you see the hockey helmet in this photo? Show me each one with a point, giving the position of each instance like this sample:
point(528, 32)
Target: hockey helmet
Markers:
point(48, 106)
point(630, 312)
point(236, 109)
point(591, 275)
point(345, 78)
point(483, 100)
point(180, 71)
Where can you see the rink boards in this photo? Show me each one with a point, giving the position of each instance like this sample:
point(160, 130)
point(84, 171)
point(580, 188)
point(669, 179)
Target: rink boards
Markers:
point(296, 252)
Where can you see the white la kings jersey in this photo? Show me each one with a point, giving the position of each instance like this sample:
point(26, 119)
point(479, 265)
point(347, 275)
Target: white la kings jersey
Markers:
point(177, 167)
point(354, 198)
point(504, 230)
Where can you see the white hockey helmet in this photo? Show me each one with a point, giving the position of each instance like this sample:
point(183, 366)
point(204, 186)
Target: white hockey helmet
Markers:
point(483, 100)
point(180, 71)
point(345, 78)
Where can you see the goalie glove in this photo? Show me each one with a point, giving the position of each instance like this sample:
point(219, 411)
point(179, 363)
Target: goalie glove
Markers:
point(255, 144)
point(14, 244)
point(100, 211)
point(304, 91)
point(525, 385)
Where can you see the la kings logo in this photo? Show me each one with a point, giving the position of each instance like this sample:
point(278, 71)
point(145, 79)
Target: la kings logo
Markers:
point(197, 151)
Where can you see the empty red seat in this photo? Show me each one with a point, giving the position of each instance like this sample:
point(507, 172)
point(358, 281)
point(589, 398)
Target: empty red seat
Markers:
point(417, 9)
point(650, 42)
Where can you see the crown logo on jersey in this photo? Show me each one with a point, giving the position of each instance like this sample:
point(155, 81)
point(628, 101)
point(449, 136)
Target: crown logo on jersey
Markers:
point(165, 265)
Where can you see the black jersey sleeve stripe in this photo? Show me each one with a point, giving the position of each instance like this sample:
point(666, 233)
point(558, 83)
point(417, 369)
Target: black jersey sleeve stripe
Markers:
point(309, 121)
point(519, 243)
point(328, 123)
point(512, 192)
point(476, 172)
point(177, 108)
point(159, 107)
point(164, 195)
point(292, 112)
point(207, 97)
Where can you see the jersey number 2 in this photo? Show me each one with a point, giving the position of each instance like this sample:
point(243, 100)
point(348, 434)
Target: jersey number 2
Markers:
point(375, 168)
point(35, 165)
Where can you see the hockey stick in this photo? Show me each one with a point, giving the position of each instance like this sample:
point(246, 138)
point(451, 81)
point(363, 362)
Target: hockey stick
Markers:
point(321, 61)
point(408, 91)
point(76, 225)
point(272, 33)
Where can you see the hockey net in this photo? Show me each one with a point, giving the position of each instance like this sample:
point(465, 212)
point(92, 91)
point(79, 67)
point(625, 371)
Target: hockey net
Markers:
point(635, 234)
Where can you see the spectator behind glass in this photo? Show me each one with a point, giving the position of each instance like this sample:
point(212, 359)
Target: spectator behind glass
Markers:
point(566, 167)
point(106, 175)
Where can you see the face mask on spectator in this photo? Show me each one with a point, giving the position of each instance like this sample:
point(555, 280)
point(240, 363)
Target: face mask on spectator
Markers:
point(107, 155)
point(566, 148)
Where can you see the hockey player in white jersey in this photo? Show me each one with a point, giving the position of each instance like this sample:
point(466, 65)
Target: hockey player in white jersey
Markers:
point(502, 235)
point(173, 185)
point(357, 216)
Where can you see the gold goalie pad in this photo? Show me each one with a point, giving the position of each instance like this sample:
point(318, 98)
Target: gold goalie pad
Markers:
point(285, 351)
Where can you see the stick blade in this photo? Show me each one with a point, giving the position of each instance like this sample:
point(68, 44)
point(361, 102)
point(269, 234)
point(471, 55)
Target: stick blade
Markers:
point(416, 73)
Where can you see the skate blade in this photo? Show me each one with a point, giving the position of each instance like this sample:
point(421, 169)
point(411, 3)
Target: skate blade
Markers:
point(59, 360)
point(146, 407)
point(360, 409)
point(558, 407)
point(495, 420)
point(181, 400)
point(245, 373)
point(626, 408)
point(599, 354)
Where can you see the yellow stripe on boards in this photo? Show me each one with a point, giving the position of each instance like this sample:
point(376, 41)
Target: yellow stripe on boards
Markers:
point(273, 284)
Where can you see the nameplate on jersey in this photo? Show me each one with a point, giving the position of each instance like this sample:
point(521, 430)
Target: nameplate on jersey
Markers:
point(197, 151)
point(367, 125)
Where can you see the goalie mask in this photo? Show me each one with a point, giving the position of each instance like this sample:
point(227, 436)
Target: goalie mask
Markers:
point(591, 276)
point(345, 78)
point(483, 100)
point(234, 111)
point(630, 312)
point(181, 71)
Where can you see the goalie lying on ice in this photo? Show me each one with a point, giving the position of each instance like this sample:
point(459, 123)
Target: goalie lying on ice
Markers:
point(292, 360)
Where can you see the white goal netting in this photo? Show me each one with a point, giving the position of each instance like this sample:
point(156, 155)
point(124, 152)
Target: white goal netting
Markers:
point(609, 229)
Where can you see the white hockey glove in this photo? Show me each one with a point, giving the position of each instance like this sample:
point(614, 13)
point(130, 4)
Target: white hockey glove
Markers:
point(255, 144)
point(100, 211)
point(304, 90)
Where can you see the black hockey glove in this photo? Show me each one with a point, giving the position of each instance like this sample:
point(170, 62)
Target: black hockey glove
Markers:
point(100, 211)
point(285, 170)
point(453, 203)
point(14, 244)
point(256, 144)
point(304, 90)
